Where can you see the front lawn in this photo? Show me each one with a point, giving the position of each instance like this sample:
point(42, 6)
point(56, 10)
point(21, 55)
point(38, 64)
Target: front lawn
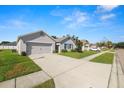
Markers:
point(78, 55)
point(13, 65)
point(106, 58)
point(48, 84)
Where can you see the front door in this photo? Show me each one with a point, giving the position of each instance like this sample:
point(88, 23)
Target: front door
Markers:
point(57, 48)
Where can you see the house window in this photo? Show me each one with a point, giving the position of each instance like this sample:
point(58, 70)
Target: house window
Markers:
point(69, 46)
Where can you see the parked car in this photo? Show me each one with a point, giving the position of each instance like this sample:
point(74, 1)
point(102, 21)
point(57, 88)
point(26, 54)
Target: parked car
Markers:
point(95, 49)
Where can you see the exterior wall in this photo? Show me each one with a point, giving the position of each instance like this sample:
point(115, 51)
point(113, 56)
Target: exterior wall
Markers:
point(85, 47)
point(44, 39)
point(21, 46)
point(68, 42)
point(7, 47)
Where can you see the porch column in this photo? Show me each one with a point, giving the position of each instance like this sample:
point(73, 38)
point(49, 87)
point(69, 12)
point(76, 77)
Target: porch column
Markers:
point(83, 48)
point(59, 49)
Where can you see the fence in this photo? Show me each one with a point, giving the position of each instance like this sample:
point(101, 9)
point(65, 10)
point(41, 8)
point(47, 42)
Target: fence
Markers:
point(7, 47)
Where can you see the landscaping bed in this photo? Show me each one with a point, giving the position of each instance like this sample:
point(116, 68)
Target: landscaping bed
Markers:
point(13, 65)
point(106, 58)
point(48, 84)
point(78, 55)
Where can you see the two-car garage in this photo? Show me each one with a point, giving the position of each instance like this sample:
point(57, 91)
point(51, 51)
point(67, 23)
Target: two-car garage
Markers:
point(38, 48)
point(35, 43)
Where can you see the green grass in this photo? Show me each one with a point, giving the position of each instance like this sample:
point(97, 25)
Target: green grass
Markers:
point(78, 55)
point(48, 84)
point(112, 50)
point(13, 65)
point(106, 58)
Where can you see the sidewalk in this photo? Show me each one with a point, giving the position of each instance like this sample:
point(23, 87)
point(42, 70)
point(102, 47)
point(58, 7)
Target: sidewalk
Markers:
point(117, 76)
point(26, 81)
point(93, 56)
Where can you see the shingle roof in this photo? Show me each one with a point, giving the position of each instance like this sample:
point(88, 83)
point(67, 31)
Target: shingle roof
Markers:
point(61, 39)
point(32, 36)
point(85, 41)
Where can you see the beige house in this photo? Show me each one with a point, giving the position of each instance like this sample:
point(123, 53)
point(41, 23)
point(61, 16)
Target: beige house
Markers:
point(86, 45)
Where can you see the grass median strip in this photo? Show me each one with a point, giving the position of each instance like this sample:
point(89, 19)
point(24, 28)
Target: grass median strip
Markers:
point(48, 84)
point(106, 58)
point(78, 55)
point(13, 65)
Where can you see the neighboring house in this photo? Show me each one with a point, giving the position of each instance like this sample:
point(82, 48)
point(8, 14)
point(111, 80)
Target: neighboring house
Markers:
point(64, 43)
point(35, 43)
point(11, 45)
point(93, 47)
point(86, 45)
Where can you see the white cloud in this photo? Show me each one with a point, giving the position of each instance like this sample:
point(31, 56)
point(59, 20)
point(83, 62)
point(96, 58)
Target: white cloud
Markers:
point(14, 23)
point(76, 19)
point(107, 16)
point(17, 23)
point(122, 37)
point(105, 8)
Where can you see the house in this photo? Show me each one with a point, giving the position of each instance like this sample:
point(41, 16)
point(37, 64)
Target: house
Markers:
point(93, 46)
point(40, 42)
point(64, 43)
point(86, 45)
point(35, 43)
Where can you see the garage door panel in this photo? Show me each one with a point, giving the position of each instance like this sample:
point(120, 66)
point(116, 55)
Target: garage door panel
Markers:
point(38, 48)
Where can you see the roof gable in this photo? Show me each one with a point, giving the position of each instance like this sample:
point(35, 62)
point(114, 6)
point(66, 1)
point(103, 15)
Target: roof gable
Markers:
point(33, 35)
point(63, 39)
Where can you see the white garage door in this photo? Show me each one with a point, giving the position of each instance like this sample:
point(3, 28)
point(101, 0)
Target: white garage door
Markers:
point(38, 48)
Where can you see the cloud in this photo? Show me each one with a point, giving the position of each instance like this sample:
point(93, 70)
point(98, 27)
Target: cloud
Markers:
point(14, 23)
point(107, 16)
point(122, 37)
point(17, 23)
point(76, 19)
point(105, 8)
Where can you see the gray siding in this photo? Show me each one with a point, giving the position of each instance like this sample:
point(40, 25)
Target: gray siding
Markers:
point(68, 42)
point(44, 39)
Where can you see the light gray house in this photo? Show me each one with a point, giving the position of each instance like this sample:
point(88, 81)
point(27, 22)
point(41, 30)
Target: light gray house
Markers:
point(40, 42)
point(35, 43)
point(64, 43)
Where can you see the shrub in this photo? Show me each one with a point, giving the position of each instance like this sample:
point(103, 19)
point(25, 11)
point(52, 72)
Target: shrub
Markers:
point(13, 50)
point(63, 50)
point(73, 50)
point(23, 53)
point(78, 50)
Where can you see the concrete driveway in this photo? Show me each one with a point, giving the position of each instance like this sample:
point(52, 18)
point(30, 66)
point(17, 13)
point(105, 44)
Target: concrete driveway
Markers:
point(68, 72)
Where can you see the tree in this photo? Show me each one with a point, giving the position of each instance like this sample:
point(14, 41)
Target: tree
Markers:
point(4, 42)
point(79, 46)
point(55, 37)
point(107, 44)
point(119, 45)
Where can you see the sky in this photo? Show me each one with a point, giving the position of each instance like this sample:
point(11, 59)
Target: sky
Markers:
point(92, 22)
